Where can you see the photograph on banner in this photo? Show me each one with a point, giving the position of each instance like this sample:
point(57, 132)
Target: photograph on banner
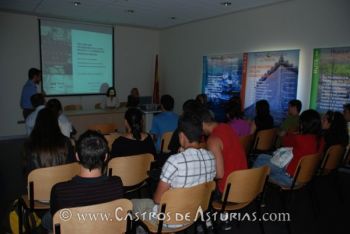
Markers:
point(222, 80)
point(330, 88)
point(270, 75)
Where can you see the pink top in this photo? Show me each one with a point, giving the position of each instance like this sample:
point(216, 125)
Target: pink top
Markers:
point(241, 126)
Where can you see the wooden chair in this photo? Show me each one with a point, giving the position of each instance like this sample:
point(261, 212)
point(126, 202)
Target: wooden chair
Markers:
point(72, 107)
point(133, 170)
point(98, 106)
point(112, 217)
point(332, 159)
point(242, 188)
point(165, 142)
point(110, 139)
point(246, 142)
point(105, 128)
point(184, 202)
point(265, 140)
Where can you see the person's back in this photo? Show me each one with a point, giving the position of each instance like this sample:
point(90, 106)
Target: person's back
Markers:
point(165, 121)
point(232, 151)
point(263, 120)
point(65, 125)
point(90, 186)
point(38, 102)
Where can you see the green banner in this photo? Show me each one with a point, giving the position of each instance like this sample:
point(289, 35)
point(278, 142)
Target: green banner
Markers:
point(315, 79)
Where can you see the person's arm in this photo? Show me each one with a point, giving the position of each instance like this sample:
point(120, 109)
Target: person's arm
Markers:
point(214, 144)
point(161, 189)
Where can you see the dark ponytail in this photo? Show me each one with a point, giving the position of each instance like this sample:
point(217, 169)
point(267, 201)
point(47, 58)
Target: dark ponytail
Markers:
point(134, 118)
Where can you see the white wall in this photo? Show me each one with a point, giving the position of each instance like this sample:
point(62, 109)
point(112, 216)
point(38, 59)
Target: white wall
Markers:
point(297, 24)
point(135, 51)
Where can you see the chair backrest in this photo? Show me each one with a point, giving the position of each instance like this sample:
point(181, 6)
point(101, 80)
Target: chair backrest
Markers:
point(306, 169)
point(245, 185)
point(104, 128)
point(72, 107)
point(186, 201)
point(98, 106)
point(165, 142)
point(332, 159)
point(110, 139)
point(246, 142)
point(43, 179)
point(133, 170)
point(106, 218)
point(265, 139)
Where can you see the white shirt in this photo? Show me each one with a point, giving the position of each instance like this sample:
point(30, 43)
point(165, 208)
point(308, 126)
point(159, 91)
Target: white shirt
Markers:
point(111, 102)
point(30, 120)
point(65, 125)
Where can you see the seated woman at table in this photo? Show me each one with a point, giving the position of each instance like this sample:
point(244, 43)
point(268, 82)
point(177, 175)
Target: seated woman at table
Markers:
point(134, 141)
point(308, 141)
point(111, 100)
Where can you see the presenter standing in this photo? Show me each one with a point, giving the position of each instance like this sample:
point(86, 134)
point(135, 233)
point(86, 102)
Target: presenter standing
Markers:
point(29, 89)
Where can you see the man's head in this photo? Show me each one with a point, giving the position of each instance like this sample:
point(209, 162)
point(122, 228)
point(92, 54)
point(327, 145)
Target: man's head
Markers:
point(294, 107)
point(206, 119)
point(34, 74)
point(92, 150)
point(167, 102)
point(55, 106)
point(37, 100)
point(190, 129)
point(346, 112)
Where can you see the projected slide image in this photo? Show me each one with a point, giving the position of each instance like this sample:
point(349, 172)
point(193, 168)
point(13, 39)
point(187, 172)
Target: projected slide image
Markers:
point(76, 58)
point(272, 76)
point(330, 79)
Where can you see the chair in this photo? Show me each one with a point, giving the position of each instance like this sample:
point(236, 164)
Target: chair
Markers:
point(165, 142)
point(133, 170)
point(246, 142)
point(332, 159)
point(105, 128)
point(265, 140)
point(181, 202)
point(72, 107)
point(110, 139)
point(110, 217)
point(242, 188)
point(98, 106)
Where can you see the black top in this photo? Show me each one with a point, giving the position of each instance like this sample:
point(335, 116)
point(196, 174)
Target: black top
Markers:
point(85, 191)
point(263, 123)
point(133, 101)
point(123, 146)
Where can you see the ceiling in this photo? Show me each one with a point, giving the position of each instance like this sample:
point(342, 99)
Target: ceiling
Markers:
point(158, 14)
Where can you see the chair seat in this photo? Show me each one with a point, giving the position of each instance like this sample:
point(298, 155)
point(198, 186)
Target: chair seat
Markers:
point(217, 205)
point(38, 205)
point(130, 189)
point(153, 227)
point(285, 188)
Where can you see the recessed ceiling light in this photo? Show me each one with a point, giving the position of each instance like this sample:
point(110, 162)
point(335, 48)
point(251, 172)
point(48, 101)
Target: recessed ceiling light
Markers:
point(130, 11)
point(76, 3)
point(226, 3)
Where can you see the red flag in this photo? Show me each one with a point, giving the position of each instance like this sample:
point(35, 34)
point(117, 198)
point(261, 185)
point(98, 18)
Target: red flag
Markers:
point(156, 83)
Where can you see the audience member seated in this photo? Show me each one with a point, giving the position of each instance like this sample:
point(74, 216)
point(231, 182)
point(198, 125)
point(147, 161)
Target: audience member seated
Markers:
point(189, 168)
point(263, 120)
point(236, 120)
point(134, 141)
point(165, 121)
point(111, 100)
point(38, 102)
point(47, 146)
point(90, 187)
point(346, 113)
point(335, 129)
point(224, 143)
point(291, 123)
point(133, 98)
point(308, 141)
point(63, 122)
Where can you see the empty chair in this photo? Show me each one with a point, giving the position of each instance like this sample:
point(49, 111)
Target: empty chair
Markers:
point(72, 107)
point(165, 142)
point(112, 217)
point(104, 128)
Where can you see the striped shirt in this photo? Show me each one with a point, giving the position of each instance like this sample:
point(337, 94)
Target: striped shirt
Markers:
point(189, 168)
point(85, 191)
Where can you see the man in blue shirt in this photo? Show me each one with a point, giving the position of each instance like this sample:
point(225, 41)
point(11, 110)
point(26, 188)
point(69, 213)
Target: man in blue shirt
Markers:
point(28, 90)
point(165, 121)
